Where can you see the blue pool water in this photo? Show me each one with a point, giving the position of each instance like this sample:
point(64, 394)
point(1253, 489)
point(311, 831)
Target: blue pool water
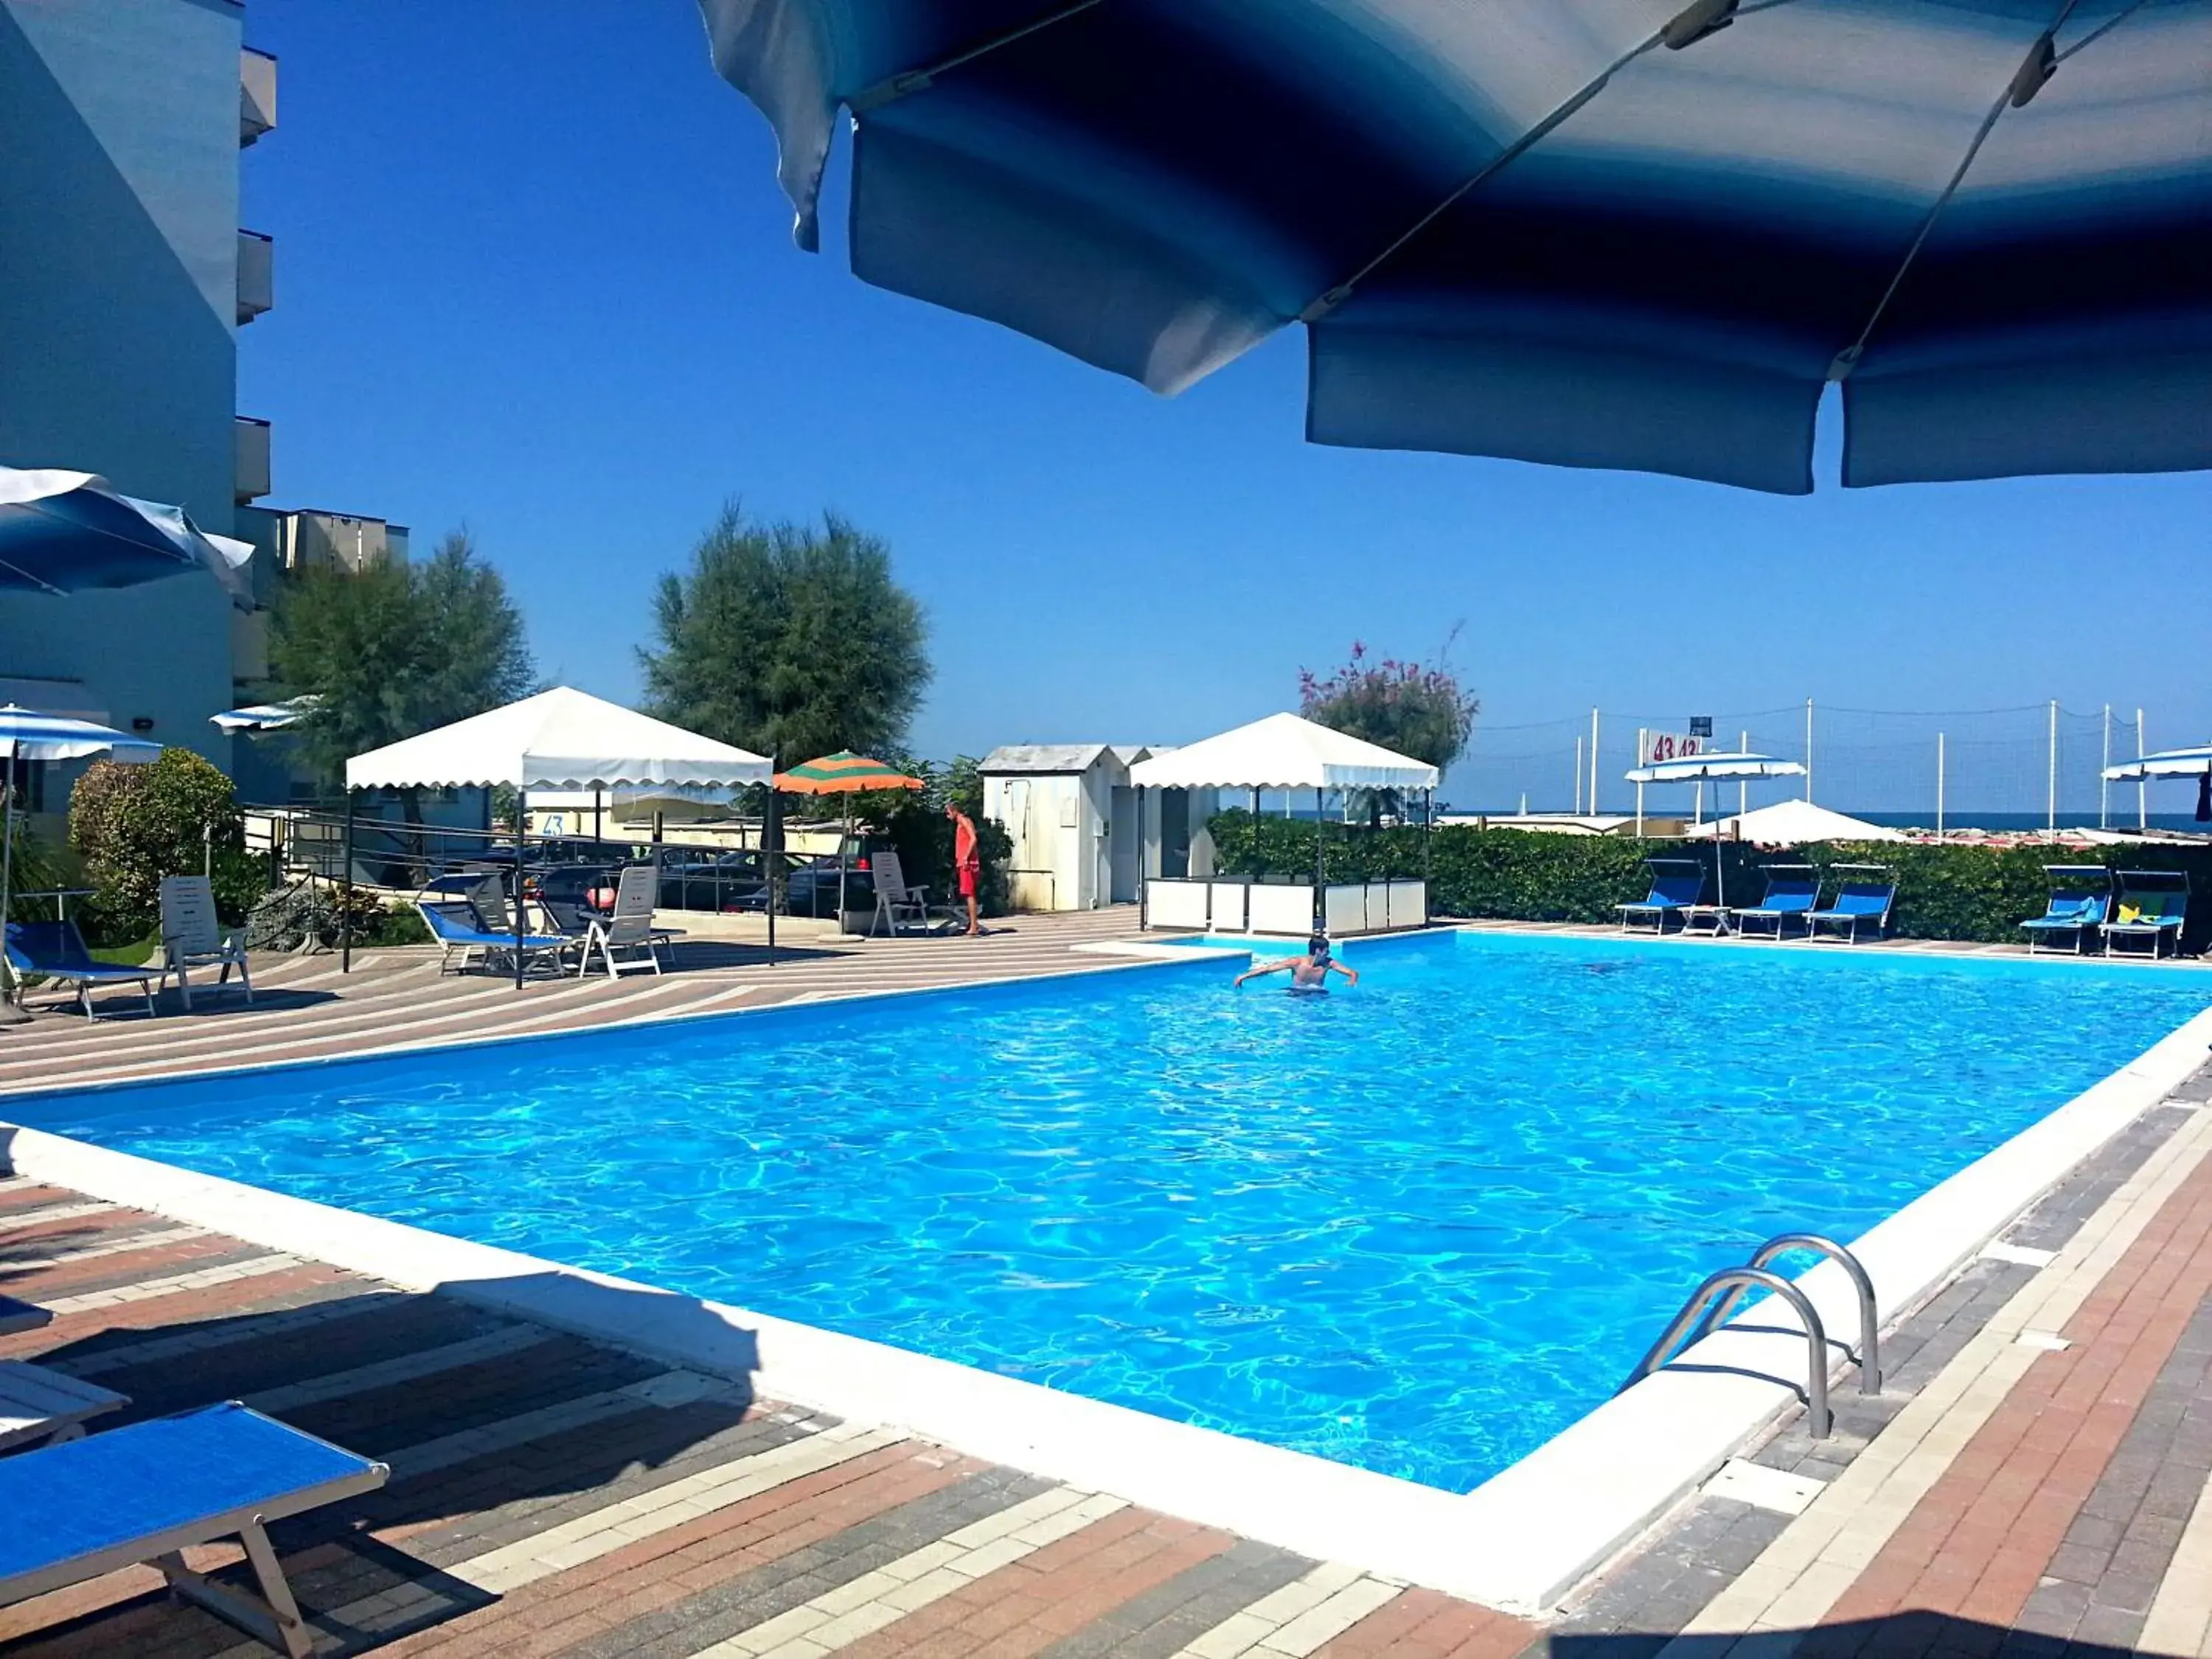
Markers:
point(1418, 1227)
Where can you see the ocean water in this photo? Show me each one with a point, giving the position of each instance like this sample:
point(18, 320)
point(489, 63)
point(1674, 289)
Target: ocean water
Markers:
point(1418, 1227)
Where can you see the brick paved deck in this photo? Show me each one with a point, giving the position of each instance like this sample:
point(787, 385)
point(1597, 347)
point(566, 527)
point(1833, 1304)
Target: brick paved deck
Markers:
point(305, 1008)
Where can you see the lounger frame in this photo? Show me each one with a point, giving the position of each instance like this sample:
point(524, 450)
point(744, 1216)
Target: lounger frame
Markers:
point(1682, 874)
point(273, 1617)
point(2163, 931)
point(1767, 910)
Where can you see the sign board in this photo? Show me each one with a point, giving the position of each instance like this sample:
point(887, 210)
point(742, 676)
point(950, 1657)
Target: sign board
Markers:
point(1701, 726)
point(1658, 746)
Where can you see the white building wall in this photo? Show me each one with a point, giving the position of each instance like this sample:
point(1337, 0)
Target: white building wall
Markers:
point(118, 249)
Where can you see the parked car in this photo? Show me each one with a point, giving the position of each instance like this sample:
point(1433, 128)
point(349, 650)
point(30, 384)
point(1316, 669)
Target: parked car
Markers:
point(732, 883)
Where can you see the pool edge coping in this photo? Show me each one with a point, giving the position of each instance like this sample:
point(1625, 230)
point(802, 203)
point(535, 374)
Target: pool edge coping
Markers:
point(1518, 1542)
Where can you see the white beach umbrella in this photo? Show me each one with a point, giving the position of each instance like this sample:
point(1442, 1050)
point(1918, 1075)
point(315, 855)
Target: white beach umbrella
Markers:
point(2167, 764)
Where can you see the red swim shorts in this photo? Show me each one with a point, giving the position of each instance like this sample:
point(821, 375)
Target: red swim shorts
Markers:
point(967, 874)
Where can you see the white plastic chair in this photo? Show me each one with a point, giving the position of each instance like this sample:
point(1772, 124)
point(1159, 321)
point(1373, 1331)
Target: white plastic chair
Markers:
point(629, 930)
point(895, 900)
point(193, 936)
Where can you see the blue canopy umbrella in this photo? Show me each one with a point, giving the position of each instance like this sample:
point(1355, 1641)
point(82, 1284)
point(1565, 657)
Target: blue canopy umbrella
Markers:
point(1634, 234)
point(64, 532)
point(27, 735)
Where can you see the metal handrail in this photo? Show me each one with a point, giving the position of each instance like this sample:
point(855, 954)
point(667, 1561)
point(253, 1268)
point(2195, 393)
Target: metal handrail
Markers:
point(1819, 1419)
point(1868, 1357)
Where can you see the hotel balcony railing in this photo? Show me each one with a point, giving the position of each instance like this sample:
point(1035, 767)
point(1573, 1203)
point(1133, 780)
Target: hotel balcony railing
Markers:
point(257, 275)
point(251, 440)
point(257, 94)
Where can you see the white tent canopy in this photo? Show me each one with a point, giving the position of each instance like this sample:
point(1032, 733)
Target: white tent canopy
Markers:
point(1282, 751)
point(1792, 823)
point(559, 739)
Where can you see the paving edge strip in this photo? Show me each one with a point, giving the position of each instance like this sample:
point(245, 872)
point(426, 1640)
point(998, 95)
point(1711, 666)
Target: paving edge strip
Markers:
point(1518, 1543)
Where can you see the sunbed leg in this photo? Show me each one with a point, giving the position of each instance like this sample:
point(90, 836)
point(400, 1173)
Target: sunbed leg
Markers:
point(274, 1619)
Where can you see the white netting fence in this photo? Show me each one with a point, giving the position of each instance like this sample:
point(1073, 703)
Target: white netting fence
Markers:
point(2019, 765)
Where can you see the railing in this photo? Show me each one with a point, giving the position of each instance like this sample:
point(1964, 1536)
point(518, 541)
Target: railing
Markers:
point(250, 458)
point(406, 859)
point(257, 94)
point(257, 275)
point(1709, 1304)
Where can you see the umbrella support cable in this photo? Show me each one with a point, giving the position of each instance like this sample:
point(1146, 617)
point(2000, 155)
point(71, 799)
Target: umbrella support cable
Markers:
point(1694, 23)
point(2037, 68)
point(898, 86)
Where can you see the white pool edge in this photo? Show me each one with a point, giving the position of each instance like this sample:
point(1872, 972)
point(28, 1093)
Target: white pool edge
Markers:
point(1518, 1542)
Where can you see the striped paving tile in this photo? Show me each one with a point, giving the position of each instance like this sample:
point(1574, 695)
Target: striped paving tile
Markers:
point(402, 1000)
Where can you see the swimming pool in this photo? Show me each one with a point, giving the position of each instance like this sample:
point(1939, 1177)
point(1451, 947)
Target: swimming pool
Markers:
point(1418, 1227)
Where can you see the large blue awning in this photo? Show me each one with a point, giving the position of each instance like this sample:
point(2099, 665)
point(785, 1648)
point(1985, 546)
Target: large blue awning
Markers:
point(1634, 233)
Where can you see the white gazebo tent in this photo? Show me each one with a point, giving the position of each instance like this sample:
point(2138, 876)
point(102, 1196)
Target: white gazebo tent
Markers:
point(1282, 751)
point(559, 739)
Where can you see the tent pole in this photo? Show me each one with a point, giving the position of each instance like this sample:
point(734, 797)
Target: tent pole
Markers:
point(1144, 889)
point(521, 847)
point(345, 889)
point(771, 838)
point(9, 1013)
point(1320, 867)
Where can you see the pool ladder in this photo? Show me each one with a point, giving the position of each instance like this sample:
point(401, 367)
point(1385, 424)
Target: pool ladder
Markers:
point(1709, 1306)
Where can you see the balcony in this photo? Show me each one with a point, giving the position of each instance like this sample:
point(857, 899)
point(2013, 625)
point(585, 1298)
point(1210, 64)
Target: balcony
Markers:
point(250, 441)
point(257, 275)
point(257, 94)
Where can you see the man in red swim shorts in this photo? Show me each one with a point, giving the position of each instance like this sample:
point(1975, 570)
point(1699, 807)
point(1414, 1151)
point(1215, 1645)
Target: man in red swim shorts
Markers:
point(966, 861)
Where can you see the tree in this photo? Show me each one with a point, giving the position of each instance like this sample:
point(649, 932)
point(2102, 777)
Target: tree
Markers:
point(1406, 706)
point(788, 639)
point(395, 648)
point(131, 825)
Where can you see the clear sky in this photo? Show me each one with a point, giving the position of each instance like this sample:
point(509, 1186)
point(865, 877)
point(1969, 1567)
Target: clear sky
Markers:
point(534, 275)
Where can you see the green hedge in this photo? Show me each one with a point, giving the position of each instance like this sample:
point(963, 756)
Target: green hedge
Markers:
point(1953, 892)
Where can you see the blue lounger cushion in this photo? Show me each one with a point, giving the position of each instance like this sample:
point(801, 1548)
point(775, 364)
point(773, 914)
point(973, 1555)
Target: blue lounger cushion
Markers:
point(73, 1511)
point(452, 930)
point(54, 950)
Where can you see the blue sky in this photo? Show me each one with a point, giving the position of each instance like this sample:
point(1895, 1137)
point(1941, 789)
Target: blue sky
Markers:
point(534, 275)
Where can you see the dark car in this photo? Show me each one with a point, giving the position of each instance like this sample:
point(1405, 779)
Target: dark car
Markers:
point(732, 883)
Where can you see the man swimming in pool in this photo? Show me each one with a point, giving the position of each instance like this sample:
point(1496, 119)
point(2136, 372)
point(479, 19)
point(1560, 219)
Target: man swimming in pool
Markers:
point(1309, 972)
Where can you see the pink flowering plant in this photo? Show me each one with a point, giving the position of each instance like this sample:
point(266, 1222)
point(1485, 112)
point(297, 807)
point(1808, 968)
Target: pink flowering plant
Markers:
point(1415, 709)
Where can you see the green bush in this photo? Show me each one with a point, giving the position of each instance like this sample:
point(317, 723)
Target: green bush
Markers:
point(1945, 891)
point(131, 825)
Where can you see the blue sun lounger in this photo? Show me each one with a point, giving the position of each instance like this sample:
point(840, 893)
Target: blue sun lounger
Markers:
point(2151, 907)
point(1676, 885)
point(1859, 903)
point(1793, 893)
point(147, 1492)
point(2080, 900)
point(456, 925)
point(55, 951)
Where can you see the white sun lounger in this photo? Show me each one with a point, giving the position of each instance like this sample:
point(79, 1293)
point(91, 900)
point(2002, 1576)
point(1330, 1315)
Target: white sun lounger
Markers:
point(147, 1492)
point(39, 1405)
